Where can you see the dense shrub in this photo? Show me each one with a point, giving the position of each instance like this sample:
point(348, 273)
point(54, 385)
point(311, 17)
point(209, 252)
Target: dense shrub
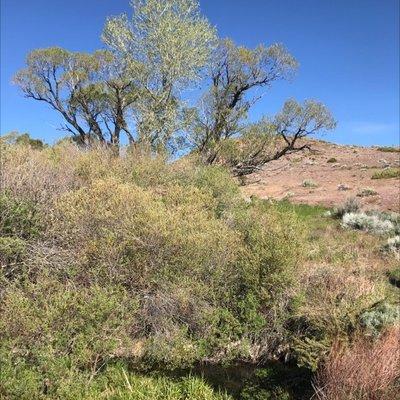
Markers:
point(332, 301)
point(156, 264)
point(134, 257)
point(386, 173)
point(18, 217)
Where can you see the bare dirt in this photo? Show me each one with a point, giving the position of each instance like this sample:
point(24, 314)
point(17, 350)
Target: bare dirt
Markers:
point(347, 173)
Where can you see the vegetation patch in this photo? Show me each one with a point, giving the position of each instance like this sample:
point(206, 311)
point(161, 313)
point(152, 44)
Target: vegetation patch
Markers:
point(367, 192)
point(386, 173)
point(309, 183)
point(389, 149)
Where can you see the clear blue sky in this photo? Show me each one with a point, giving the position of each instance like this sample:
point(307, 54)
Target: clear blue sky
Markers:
point(348, 52)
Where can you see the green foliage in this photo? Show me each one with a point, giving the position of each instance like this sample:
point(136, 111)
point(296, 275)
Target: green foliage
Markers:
point(277, 382)
point(309, 183)
point(51, 331)
point(380, 317)
point(22, 139)
point(351, 205)
point(114, 383)
point(18, 217)
point(366, 192)
point(160, 264)
point(389, 149)
point(387, 173)
point(331, 160)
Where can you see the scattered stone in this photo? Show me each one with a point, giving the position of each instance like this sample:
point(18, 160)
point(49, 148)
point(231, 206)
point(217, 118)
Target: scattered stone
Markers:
point(384, 163)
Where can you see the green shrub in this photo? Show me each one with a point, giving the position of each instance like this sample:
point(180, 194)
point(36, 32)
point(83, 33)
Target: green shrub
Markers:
point(366, 192)
point(389, 149)
point(114, 382)
point(18, 217)
point(56, 330)
point(309, 183)
point(332, 160)
point(160, 265)
point(12, 250)
point(387, 173)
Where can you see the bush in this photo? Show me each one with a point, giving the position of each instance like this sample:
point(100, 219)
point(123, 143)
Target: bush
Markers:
point(389, 149)
point(333, 298)
point(309, 183)
point(366, 192)
point(138, 263)
point(351, 205)
point(18, 217)
point(380, 317)
point(51, 331)
point(332, 160)
point(369, 223)
point(387, 173)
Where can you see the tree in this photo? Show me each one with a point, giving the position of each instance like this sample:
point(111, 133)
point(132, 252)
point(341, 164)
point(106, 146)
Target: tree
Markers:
point(91, 91)
point(167, 44)
point(235, 71)
point(151, 59)
point(266, 140)
point(23, 139)
point(136, 87)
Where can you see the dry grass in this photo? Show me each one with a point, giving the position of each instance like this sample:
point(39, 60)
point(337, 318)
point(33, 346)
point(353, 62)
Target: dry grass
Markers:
point(366, 371)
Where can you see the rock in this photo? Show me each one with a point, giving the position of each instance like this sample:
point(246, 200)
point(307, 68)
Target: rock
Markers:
point(343, 186)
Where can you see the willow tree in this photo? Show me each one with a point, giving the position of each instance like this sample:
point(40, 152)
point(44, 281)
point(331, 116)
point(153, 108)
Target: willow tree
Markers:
point(166, 44)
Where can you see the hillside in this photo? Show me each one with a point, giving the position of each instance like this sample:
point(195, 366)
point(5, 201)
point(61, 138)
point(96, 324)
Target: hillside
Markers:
point(338, 171)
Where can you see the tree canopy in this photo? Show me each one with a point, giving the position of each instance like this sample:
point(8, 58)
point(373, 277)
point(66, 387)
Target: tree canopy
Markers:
point(137, 88)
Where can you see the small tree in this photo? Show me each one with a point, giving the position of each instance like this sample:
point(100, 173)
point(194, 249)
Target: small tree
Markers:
point(266, 141)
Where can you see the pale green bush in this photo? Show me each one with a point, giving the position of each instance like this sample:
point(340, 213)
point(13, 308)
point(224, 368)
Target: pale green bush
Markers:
point(369, 223)
point(380, 317)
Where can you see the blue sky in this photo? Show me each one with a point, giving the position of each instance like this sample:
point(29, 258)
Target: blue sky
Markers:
point(348, 52)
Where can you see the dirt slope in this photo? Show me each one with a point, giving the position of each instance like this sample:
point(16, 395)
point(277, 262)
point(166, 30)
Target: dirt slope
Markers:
point(349, 166)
